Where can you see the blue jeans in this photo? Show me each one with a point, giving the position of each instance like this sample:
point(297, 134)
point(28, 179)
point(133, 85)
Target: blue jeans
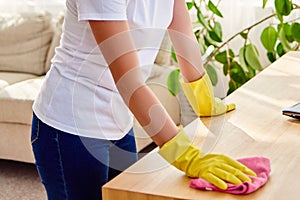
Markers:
point(75, 168)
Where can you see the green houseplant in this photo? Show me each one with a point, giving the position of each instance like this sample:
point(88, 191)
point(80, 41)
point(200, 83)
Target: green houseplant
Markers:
point(277, 39)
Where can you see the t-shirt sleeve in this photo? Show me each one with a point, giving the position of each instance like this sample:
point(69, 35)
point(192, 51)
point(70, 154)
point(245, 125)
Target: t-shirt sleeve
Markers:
point(101, 10)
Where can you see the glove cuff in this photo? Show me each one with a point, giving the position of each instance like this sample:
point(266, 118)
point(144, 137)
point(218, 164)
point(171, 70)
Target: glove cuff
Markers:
point(200, 95)
point(182, 154)
point(172, 150)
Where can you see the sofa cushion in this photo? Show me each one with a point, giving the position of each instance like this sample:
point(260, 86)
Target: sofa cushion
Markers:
point(9, 78)
point(16, 101)
point(186, 110)
point(24, 41)
point(163, 57)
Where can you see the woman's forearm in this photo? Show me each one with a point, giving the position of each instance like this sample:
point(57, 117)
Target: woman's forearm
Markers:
point(185, 43)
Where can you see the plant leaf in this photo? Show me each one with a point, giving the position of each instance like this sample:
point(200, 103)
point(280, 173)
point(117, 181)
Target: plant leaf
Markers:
point(288, 32)
point(189, 5)
point(231, 54)
point(237, 73)
point(218, 30)
point(202, 20)
point(280, 17)
point(225, 69)
point(268, 38)
point(214, 9)
point(173, 54)
point(212, 74)
point(243, 35)
point(271, 56)
point(252, 57)
point(295, 30)
point(208, 41)
point(222, 56)
point(251, 72)
point(232, 87)
point(173, 82)
point(283, 7)
point(203, 48)
point(216, 33)
point(285, 44)
point(214, 36)
point(264, 3)
point(242, 59)
point(279, 49)
point(279, 27)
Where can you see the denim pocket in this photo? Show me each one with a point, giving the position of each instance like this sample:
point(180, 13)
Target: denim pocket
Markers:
point(34, 129)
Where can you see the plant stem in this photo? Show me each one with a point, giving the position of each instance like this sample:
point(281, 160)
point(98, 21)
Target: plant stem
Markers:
point(289, 21)
point(235, 35)
point(198, 10)
point(296, 6)
point(210, 18)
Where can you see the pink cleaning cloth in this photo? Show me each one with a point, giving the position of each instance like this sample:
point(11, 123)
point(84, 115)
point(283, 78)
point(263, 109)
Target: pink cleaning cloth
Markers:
point(260, 165)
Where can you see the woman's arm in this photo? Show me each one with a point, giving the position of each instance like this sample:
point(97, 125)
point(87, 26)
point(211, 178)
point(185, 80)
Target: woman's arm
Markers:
point(185, 43)
point(196, 85)
point(115, 42)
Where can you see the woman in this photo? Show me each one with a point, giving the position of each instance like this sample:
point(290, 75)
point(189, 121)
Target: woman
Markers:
point(82, 127)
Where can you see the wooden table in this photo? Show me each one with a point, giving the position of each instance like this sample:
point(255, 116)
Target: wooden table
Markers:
point(255, 128)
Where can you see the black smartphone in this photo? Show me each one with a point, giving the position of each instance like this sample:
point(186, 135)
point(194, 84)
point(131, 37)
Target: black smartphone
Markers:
point(293, 111)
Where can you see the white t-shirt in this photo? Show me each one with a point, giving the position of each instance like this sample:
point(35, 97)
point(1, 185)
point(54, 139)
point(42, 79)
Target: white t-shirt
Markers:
point(79, 95)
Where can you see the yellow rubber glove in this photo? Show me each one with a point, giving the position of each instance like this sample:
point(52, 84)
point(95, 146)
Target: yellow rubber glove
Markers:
point(201, 97)
point(216, 169)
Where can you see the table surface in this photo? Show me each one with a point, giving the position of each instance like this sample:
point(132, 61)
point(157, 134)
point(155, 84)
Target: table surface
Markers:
point(256, 128)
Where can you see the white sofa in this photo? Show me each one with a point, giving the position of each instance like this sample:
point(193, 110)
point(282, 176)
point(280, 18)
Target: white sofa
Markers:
point(27, 42)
